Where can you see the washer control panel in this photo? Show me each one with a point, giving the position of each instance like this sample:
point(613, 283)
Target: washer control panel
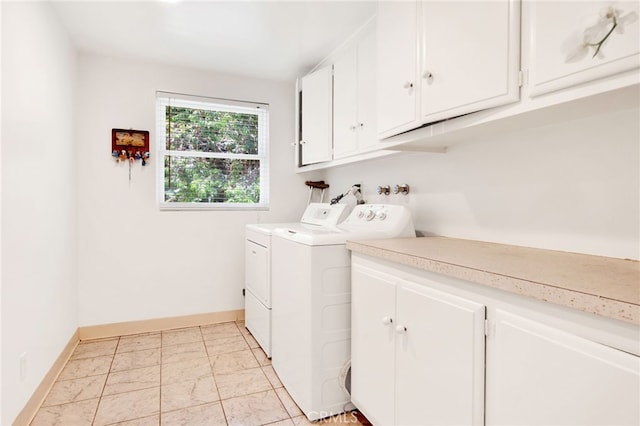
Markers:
point(371, 212)
point(379, 217)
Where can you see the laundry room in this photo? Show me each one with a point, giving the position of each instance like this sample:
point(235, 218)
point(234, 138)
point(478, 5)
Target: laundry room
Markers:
point(205, 207)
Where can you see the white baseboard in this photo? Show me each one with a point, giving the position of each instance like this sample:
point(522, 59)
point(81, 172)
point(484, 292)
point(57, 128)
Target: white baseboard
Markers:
point(157, 324)
point(31, 407)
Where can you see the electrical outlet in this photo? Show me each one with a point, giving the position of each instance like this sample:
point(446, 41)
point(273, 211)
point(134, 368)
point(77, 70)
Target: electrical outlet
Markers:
point(23, 366)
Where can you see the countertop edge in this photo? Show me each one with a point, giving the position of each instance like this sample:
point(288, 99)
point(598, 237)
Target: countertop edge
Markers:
point(598, 305)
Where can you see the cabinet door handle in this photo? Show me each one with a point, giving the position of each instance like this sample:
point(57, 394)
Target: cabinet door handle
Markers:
point(352, 127)
point(387, 321)
point(303, 142)
point(427, 75)
point(408, 85)
point(401, 329)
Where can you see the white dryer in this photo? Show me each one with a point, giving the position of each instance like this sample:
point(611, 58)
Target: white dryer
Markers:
point(258, 266)
point(311, 299)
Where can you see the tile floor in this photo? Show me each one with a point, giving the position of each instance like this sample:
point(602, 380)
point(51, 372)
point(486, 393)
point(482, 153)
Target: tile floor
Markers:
point(208, 375)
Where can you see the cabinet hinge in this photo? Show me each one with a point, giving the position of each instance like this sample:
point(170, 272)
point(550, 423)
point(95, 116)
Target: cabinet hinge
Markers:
point(521, 78)
point(489, 329)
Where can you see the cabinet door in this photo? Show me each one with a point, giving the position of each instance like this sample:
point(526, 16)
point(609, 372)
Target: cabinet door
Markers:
point(354, 98)
point(397, 67)
point(439, 358)
point(367, 129)
point(316, 116)
point(345, 90)
point(540, 375)
point(372, 344)
point(470, 56)
point(559, 57)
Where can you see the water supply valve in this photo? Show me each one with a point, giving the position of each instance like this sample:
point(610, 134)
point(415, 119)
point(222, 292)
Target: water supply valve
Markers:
point(386, 190)
point(401, 189)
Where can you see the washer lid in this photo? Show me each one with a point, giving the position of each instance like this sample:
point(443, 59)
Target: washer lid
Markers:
point(266, 228)
point(312, 235)
point(324, 214)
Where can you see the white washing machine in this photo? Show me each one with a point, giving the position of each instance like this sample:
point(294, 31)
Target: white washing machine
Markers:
point(311, 299)
point(258, 306)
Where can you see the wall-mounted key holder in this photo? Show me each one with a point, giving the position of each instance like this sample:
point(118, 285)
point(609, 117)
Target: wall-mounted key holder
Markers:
point(130, 145)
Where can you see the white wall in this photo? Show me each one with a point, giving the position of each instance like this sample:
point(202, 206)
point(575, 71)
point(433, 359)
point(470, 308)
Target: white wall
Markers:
point(571, 187)
point(0, 215)
point(39, 285)
point(136, 262)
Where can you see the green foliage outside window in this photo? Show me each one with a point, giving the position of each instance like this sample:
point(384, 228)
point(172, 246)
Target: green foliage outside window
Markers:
point(198, 178)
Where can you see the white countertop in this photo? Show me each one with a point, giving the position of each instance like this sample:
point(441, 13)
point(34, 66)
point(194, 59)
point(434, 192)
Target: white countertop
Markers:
point(604, 286)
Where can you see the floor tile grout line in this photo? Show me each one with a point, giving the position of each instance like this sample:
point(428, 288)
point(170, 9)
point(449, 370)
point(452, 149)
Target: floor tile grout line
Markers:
point(126, 370)
point(95, 414)
point(213, 377)
point(160, 387)
point(283, 406)
point(247, 340)
point(273, 389)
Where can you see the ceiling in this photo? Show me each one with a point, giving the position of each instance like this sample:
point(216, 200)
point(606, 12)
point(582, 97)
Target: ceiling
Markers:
point(278, 40)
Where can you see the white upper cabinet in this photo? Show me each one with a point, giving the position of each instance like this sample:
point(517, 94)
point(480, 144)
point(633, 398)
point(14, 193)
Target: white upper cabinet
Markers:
point(574, 42)
point(345, 108)
point(354, 100)
point(470, 56)
point(442, 59)
point(317, 110)
point(397, 61)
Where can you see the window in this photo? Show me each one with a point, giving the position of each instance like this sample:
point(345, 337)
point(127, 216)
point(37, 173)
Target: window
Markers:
point(214, 153)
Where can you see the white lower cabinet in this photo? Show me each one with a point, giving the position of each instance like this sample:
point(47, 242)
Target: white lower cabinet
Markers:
point(417, 353)
point(373, 302)
point(540, 375)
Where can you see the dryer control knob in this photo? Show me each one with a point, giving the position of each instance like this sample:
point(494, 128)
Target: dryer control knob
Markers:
point(369, 215)
point(382, 215)
point(360, 214)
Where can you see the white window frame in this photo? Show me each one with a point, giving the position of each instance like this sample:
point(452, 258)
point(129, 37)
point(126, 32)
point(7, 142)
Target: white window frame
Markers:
point(164, 99)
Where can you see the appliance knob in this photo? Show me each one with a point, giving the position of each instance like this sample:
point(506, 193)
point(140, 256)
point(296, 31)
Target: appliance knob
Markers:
point(401, 329)
point(387, 321)
point(369, 215)
point(360, 214)
point(382, 215)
